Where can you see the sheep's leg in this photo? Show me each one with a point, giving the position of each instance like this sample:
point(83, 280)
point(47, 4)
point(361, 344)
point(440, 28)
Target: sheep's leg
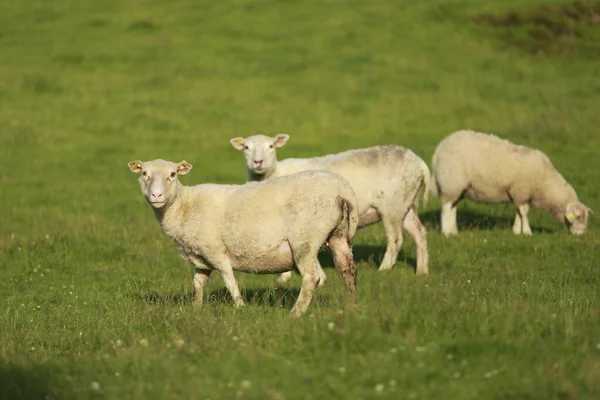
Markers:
point(448, 219)
point(393, 234)
point(344, 262)
point(227, 274)
point(417, 231)
point(200, 280)
point(322, 276)
point(305, 258)
point(286, 276)
point(523, 210)
point(517, 226)
point(310, 276)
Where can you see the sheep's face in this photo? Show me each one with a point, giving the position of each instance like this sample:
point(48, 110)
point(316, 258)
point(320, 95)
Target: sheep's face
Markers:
point(260, 151)
point(576, 215)
point(158, 179)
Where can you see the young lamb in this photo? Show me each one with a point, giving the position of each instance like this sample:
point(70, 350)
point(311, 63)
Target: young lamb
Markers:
point(485, 168)
point(266, 227)
point(387, 181)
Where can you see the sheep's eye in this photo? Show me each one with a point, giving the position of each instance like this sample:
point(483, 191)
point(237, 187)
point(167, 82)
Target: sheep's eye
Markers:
point(245, 147)
point(144, 173)
point(271, 146)
point(173, 174)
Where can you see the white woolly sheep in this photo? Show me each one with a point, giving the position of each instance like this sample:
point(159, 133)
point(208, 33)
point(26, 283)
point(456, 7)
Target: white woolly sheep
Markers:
point(233, 228)
point(387, 181)
point(487, 169)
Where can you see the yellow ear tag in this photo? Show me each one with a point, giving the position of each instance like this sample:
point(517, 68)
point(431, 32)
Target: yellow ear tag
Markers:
point(181, 167)
point(571, 216)
point(138, 165)
point(239, 142)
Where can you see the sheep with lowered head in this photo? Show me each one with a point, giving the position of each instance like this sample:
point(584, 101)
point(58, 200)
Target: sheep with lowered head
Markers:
point(261, 227)
point(387, 180)
point(487, 169)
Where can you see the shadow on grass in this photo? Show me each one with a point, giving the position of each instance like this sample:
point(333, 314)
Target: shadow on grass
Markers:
point(278, 296)
point(471, 220)
point(37, 382)
point(370, 254)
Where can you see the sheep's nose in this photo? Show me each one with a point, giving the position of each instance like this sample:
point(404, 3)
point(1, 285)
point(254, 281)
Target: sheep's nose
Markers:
point(258, 162)
point(157, 195)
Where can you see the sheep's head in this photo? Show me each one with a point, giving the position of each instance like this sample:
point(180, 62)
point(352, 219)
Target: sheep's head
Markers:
point(260, 151)
point(158, 179)
point(576, 215)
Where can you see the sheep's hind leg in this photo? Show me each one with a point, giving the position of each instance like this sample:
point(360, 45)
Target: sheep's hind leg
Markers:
point(284, 277)
point(344, 262)
point(517, 224)
point(308, 269)
point(448, 219)
point(200, 280)
point(393, 235)
point(523, 210)
point(322, 276)
point(307, 264)
point(417, 231)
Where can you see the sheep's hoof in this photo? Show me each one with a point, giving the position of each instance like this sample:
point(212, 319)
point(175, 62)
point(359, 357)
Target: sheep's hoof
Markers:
point(448, 234)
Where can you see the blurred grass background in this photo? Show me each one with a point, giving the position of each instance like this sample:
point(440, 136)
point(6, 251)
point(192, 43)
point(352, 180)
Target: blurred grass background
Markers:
point(96, 298)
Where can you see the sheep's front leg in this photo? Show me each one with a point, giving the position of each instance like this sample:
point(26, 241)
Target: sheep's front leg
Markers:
point(200, 280)
point(226, 272)
point(448, 219)
point(522, 212)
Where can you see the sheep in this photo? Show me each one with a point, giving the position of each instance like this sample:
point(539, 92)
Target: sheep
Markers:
point(387, 181)
point(261, 227)
point(488, 169)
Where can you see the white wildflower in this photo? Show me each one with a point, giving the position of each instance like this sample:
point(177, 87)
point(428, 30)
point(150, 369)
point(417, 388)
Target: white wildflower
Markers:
point(245, 384)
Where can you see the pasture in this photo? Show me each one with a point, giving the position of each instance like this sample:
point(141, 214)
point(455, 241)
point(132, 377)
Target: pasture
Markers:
point(96, 299)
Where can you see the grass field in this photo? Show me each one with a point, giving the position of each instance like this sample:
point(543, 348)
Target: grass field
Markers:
point(96, 300)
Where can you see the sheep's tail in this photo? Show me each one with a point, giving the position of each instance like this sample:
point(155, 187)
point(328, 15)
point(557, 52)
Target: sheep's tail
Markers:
point(426, 186)
point(348, 218)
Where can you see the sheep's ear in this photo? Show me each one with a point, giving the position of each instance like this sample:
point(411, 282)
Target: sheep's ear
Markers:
point(572, 211)
point(183, 167)
point(238, 143)
point(280, 140)
point(135, 166)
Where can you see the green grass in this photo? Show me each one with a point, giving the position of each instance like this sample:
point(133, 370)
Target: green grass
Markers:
point(96, 300)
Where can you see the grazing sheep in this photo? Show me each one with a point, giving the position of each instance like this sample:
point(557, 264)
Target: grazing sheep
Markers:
point(488, 169)
point(387, 181)
point(266, 227)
